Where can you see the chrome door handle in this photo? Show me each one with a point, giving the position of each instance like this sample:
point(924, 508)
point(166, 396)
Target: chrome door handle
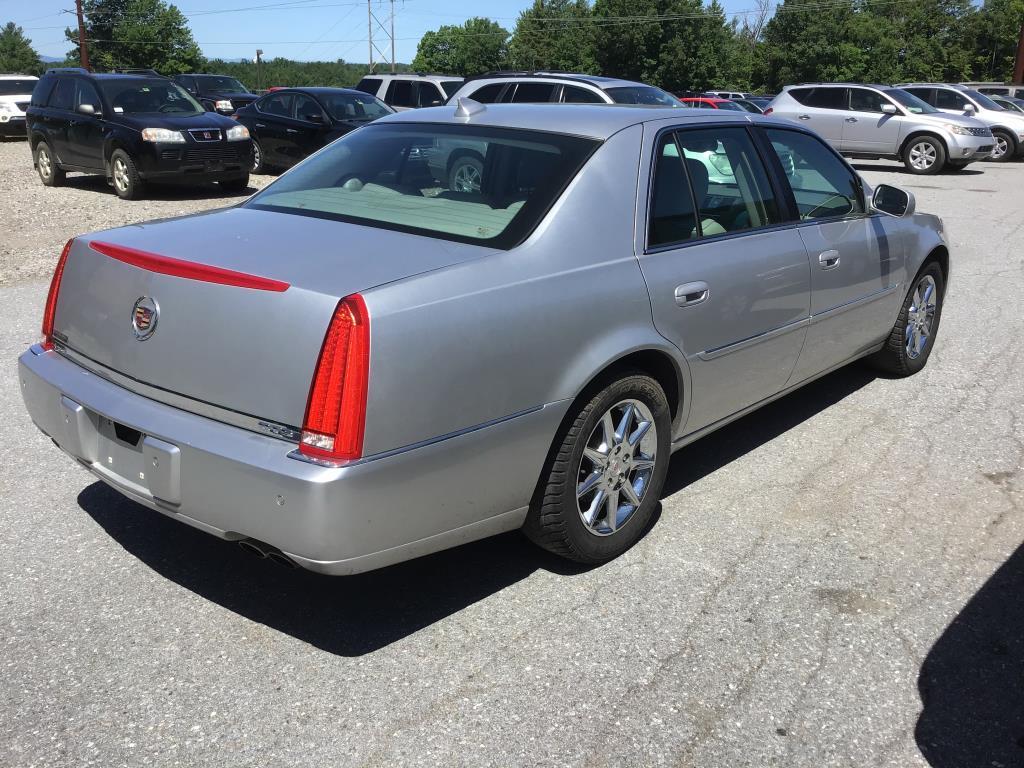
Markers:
point(828, 259)
point(291, 130)
point(260, 125)
point(851, 119)
point(803, 117)
point(689, 294)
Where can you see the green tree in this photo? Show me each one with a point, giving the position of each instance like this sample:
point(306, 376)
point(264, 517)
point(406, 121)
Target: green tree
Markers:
point(137, 33)
point(556, 35)
point(479, 45)
point(16, 52)
point(992, 31)
point(681, 45)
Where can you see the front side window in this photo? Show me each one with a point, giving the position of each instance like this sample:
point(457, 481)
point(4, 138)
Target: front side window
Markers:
point(488, 94)
point(715, 172)
point(824, 187)
point(430, 95)
point(63, 96)
point(85, 93)
point(450, 87)
point(307, 109)
point(156, 96)
point(946, 98)
point(488, 186)
point(642, 94)
point(866, 100)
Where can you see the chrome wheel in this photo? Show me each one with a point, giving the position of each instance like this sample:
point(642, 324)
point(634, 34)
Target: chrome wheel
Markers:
point(120, 174)
point(617, 466)
point(257, 156)
point(921, 316)
point(923, 155)
point(45, 166)
point(1001, 147)
point(466, 178)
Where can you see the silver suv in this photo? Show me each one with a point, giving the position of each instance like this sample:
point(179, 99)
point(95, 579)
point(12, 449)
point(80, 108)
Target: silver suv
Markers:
point(1007, 127)
point(873, 121)
point(410, 90)
point(561, 87)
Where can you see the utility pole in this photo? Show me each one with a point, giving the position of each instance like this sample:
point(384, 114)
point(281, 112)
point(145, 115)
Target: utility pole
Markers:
point(393, 37)
point(259, 69)
point(374, 24)
point(1018, 63)
point(83, 48)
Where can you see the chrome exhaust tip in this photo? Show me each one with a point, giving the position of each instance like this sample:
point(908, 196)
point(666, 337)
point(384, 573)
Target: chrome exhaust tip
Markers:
point(267, 552)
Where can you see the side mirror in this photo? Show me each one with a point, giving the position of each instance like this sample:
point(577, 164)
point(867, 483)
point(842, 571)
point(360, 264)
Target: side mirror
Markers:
point(893, 201)
point(969, 108)
point(87, 109)
point(889, 109)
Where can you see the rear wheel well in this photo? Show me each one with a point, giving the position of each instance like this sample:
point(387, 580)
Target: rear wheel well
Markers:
point(655, 364)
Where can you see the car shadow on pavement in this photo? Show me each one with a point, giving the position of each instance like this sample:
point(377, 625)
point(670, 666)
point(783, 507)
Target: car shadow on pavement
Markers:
point(354, 615)
point(207, 191)
point(972, 680)
point(894, 168)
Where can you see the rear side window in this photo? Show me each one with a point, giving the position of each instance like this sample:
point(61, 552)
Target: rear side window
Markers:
point(369, 85)
point(532, 93)
point(826, 98)
point(474, 184)
point(279, 104)
point(400, 94)
point(824, 187)
point(63, 95)
point(42, 91)
point(488, 94)
point(926, 95)
point(715, 172)
point(572, 94)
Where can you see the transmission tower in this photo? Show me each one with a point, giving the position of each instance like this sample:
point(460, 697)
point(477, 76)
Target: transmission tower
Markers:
point(385, 28)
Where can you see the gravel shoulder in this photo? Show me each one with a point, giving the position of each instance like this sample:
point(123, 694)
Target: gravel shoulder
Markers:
point(38, 220)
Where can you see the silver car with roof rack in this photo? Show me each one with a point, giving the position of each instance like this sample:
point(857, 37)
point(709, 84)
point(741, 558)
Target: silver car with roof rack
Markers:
point(540, 87)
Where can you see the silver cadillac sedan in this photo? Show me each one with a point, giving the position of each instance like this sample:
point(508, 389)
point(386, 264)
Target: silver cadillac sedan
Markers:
point(366, 361)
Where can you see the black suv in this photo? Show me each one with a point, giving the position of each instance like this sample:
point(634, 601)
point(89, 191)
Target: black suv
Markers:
point(132, 129)
point(217, 93)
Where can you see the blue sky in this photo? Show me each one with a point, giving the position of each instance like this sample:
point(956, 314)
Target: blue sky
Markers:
point(305, 29)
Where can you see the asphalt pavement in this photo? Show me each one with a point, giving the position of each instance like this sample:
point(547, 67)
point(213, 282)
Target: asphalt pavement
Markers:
point(836, 580)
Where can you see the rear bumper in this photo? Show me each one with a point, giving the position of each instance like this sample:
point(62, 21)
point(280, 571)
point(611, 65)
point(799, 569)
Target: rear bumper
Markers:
point(12, 125)
point(238, 484)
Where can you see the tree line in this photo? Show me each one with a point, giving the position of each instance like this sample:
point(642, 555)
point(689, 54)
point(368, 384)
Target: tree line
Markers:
point(676, 44)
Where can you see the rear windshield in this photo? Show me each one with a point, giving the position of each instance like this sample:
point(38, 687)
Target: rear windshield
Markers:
point(909, 101)
point(156, 96)
point(642, 94)
point(488, 186)
point(220, 84)
point(17, 87)
point(354, 106)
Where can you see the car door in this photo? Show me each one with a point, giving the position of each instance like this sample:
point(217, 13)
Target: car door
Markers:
point(85, 132)
point(305, 133)
point(57, 117)
point(824, 109)
point(728, 276)
point(866, 128)
point(856, 258)
point(275, 111)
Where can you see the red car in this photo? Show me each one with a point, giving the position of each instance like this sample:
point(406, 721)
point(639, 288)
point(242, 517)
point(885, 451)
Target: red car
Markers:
point(711, 102)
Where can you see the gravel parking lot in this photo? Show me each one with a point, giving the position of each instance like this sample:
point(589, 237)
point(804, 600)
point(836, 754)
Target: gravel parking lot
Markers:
point(836, 580)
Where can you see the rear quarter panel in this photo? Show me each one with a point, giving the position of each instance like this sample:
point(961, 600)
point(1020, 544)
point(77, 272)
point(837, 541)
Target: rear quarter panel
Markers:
point(518, 329)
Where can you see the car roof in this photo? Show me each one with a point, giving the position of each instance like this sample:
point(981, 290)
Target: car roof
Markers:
point(598, 121)
point(598, 81)
point(412, 76)
point(321, 90)
point(18, 77)
point(879, 86)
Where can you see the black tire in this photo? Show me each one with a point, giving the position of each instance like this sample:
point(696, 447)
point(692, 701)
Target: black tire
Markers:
point(894, 357)
point(259, 165)
point(235, 185)
point(998, 134)
point(44, 157)
point(466, 174)
point(937, 151)
point(555, 521)
point(125, 176)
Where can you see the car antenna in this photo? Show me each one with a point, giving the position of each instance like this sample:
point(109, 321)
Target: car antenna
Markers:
point(466, 108)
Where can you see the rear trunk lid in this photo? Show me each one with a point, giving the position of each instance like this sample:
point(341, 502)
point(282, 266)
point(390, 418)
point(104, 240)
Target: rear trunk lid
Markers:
point(242, 300)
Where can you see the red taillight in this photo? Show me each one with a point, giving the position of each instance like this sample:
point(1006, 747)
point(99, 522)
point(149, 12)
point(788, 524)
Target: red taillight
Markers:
point(767, 111)
point(51, 297)
point(336, 411)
